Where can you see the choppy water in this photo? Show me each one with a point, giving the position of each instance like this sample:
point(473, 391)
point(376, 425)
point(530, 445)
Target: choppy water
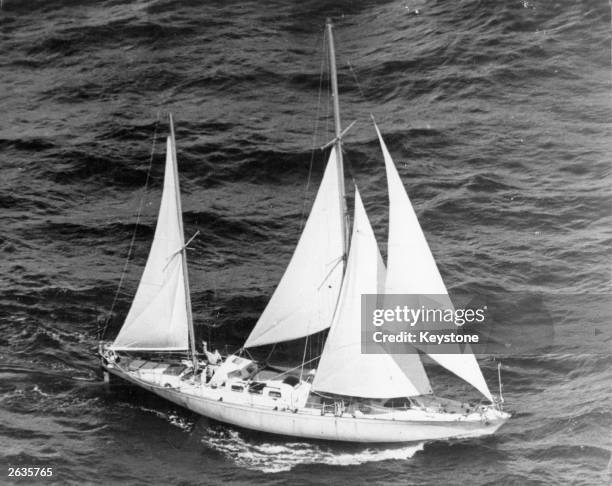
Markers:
point(498, 114)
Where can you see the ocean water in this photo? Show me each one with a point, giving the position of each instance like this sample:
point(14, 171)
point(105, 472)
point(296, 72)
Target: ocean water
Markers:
point(498, 116)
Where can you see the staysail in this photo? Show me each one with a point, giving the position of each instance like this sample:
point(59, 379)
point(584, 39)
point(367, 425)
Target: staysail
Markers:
point(158, 320)
point(412, 269)
point(306, 296)
point(343, 369)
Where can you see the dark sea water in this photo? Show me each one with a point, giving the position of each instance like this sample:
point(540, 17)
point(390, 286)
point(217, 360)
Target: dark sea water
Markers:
point(498, 117)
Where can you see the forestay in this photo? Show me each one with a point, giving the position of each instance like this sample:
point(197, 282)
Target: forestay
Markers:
point(343, 369)
point(157, 320)
point(305, 299)
point(411, 269)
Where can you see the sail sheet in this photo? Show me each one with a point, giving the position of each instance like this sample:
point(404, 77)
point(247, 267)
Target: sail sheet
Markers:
point(343, 369)
point(412, 269)
point(306, 296)
point(158, 318)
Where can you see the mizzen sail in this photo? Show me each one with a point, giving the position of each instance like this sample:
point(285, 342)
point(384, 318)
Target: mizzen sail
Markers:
point(343, 369)
point(305, 299)
point(158, 320)
point(412, 269)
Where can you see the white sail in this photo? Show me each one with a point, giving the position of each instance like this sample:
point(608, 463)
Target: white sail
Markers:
point(411, 269)
point(305, 299)
point(343, 369)
point(158, 318)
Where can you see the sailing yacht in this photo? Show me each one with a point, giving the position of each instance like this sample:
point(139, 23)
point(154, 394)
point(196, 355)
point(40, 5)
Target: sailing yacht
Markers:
point(348, 396)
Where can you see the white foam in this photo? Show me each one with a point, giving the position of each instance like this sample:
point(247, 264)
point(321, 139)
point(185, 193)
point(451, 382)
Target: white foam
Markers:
point(273, 457)
point(172, 417)
point(277, 456)
point(39, 391)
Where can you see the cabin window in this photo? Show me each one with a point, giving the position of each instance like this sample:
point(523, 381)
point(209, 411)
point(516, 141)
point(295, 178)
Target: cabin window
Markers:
point(237, 388)
point(274, 394)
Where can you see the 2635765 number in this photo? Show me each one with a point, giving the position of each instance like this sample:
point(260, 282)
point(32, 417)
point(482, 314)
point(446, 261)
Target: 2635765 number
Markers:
point(30, 472)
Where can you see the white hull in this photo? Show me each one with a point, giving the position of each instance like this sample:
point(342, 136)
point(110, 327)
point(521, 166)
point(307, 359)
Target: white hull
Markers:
point(309, 425)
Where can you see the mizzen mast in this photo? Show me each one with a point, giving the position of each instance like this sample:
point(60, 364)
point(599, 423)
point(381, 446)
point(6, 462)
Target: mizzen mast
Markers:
point(183, 251)
point(338, 139)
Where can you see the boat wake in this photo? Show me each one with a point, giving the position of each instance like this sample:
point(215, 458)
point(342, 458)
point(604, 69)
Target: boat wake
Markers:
point(275, 456)
point(254, 451)
point(173, 418)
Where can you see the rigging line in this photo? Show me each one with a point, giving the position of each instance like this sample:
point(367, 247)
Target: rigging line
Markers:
point(133, 239)
point(181, 249)
point(249, 355)
point(314, 139)
point(329, 97)
point(310, 348)
point(337, 262)
point(312, 156)
point(296, 367)
point(356, 80)
point(349, 167)
point(363, 96)
point(267, 360)
point(304, 358)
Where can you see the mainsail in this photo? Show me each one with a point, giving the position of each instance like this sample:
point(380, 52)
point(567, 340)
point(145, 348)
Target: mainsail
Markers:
point(158, 320)
point(305, 299)
point(412, 269)
point(343, 369)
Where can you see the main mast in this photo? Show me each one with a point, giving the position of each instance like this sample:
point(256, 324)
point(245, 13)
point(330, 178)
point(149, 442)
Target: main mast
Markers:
point(192, 348)
point(338, 139)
